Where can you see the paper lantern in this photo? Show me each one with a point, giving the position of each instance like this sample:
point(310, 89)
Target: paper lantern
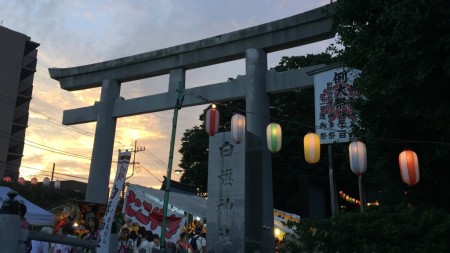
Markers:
point(21, 180)
point(409, 167)
point(212, 121)
point(273, 132)
point(358, 157)
point(311, 144)
point(34, 181)
point(46, 181)
point(238, 127)
point(57, 184)
point(7, 179)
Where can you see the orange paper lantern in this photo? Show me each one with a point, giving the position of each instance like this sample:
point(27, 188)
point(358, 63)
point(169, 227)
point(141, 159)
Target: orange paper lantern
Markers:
point(409, 167)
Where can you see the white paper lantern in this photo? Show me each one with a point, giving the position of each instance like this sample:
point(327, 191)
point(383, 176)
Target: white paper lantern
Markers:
point(238, 127)
point(46, 181)
point(358, 157)
point(57, 184)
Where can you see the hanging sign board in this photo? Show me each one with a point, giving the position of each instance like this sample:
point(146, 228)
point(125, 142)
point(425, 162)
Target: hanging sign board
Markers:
point(333, 96)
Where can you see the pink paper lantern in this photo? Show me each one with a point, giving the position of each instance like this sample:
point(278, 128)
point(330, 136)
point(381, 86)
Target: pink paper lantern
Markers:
point(21, 180)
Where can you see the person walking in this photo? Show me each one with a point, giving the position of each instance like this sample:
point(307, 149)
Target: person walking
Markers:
point(142, 244)
point(125, 243)
point(154, 245)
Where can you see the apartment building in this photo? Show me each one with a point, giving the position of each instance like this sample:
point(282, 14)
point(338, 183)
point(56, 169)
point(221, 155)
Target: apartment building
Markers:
point(18, 58)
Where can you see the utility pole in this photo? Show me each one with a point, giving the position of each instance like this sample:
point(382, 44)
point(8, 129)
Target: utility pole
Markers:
point(53, 172)
point(134, 151)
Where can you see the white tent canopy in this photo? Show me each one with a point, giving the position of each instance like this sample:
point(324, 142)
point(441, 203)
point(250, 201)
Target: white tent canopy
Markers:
point(191, 204)
point(197, 206)
point(35, 215)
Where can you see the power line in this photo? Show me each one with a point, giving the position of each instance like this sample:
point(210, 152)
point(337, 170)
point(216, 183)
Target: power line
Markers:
point(150, 173)
point(6, 135)
point(156, 159)
point(51, 119)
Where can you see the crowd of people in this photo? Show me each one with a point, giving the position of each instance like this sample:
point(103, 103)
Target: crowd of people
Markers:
point(131, 239)
point(135, 239)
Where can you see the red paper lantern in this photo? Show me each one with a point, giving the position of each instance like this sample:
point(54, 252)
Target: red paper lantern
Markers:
point(7, 179)
point(409, 167)
point(212, 121)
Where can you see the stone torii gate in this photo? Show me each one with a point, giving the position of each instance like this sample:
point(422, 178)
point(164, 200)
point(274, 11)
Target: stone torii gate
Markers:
point(253, 44)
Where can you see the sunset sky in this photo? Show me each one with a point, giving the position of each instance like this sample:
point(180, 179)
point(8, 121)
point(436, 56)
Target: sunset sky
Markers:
point(73, 33)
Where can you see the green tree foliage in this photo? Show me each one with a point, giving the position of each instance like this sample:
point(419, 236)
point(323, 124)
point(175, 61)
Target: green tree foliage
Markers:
point(400, 229)
point(403, 50)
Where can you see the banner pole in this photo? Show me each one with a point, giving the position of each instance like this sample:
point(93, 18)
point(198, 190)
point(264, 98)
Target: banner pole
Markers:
point(104, 237)
point(169, 169)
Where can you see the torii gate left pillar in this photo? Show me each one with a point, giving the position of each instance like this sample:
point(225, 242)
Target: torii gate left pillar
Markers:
point(105, 132)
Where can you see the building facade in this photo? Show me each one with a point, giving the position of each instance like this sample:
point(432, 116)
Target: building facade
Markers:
point(18, 59)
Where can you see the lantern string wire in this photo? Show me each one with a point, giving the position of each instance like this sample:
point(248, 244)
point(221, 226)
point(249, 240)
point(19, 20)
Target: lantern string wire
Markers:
point(312, 126)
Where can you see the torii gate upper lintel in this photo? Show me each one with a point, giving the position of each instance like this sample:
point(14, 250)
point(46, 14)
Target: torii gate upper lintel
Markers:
point(253, 44)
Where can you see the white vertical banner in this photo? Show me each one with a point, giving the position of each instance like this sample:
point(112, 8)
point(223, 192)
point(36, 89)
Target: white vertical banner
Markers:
point(333, 96)
point(143, 209)
point(105, 226)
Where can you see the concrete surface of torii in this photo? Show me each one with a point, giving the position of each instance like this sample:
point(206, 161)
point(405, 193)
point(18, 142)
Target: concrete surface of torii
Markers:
point(252, 43)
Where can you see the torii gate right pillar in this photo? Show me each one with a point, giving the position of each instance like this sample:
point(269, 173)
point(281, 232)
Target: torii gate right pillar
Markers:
point(258, 162)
